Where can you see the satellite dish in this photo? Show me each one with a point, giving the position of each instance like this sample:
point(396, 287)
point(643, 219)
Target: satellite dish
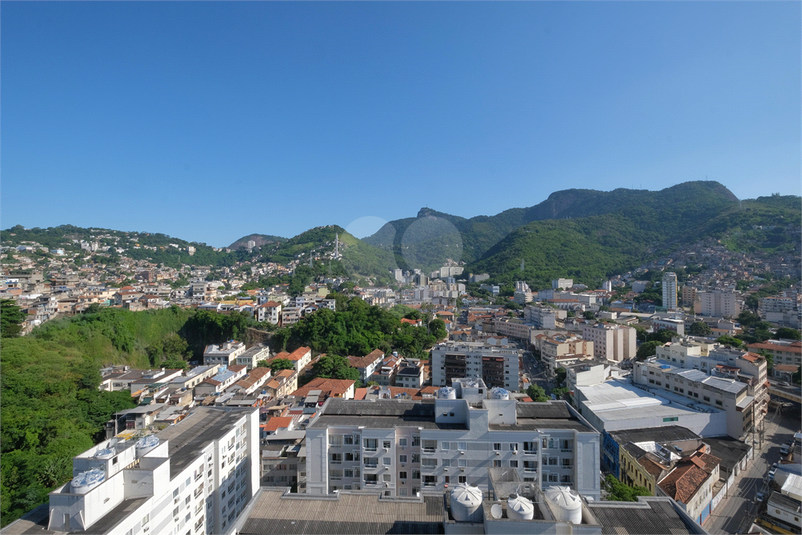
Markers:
point(495, 511)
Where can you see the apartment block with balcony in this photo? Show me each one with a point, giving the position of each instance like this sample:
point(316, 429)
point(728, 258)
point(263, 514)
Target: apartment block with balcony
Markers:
point(559, 345)
point(496, 365)
point(403, 448)
point(544, 317)
point(224, 354)
point(196, 477)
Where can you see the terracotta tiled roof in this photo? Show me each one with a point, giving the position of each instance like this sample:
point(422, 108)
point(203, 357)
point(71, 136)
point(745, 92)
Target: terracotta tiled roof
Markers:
point(328, 387)
point(277, 422)
point(367, 360)
point(237, 368)
point(299, 353)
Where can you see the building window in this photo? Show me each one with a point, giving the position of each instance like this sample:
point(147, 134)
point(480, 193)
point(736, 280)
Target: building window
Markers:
point(416, 457)
point(463, 479)
point(462, 463)
point(496, 446)
point(513, 446)
point(513, 464)
point(371, 444)
point(402, 442)
point(415, 441)
point(496, 463)
point(719, 403)
point(530, 447)
point(429, 481)
point(386, 444)
point(402, 475)
point(335, 440)
point(429, 446)
point(444, 445)
point(386, 461)
point(402, 458)
point(462, 445)
point(336, 458)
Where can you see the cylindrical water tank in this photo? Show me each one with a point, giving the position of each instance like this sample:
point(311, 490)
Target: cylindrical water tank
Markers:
point(86, 481)
point(146, 444)
point(500, 393)
point(466, 503)
point(566, 504)
point(520, 508)
point(447, 393)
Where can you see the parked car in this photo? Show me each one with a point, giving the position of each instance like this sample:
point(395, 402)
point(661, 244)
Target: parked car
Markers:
point(760, 497)
point(771, 473)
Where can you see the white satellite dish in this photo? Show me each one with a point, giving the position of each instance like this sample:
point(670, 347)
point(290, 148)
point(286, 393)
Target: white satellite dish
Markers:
point(496, 511)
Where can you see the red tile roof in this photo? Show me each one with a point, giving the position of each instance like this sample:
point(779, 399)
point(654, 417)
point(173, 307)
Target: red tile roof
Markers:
point(277, 422)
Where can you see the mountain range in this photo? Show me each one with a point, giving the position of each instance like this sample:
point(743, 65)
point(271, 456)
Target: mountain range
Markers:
point(584, 234)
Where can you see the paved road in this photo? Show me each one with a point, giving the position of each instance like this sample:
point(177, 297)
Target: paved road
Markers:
point(739, 508)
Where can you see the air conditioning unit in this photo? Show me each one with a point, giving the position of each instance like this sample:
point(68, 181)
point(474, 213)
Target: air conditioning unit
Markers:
point(461, 469)
point(462, 453)
point(498, 453)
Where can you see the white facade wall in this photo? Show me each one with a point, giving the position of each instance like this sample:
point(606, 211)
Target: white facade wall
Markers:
point(207, 496)
point(410, 459)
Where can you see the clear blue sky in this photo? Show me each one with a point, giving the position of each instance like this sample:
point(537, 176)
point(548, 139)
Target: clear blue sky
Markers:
point(208, 121)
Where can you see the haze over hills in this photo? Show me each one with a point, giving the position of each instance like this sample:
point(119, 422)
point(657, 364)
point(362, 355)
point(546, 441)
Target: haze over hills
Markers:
point(584, 234)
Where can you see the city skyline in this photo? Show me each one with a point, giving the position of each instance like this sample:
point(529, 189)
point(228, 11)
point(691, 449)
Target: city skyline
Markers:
point(212, 121)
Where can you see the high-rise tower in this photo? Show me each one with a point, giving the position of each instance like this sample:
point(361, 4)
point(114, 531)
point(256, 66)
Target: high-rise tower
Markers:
point(670, 290)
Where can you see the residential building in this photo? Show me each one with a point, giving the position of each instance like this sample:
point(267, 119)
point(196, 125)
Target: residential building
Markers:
point(252, 356)
point(611, 341)
point(197, 475)
point(220, 382)
point(787, 352)
point(564, 284)
point(408, 447)
point(323, 388)
point(514, 328)
point(284, 460)
point(544, 317)
point(269, 311)
point(522, 294)
point(675, 324)
point(252, 382)
point(690, 483)
point(223, 354)
point(496, 365)
point(409, 374)
point(670, 290)
point(282, 384)
point(719, 303)
point(641, 457)
point(560, 345)
point(367, 364)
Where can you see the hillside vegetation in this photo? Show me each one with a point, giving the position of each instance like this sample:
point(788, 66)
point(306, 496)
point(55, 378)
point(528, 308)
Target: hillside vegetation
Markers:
point(52, 408)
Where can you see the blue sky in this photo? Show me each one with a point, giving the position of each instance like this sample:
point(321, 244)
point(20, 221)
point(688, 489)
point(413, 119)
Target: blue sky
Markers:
point(208, 121)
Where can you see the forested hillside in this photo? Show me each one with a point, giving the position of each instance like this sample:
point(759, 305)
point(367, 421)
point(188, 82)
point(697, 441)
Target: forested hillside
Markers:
point(480, 234)
point(591, 249)
point(51, 406)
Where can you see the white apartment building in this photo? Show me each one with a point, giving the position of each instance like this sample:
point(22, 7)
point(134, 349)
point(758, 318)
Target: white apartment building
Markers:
point(565, 284)
point(718, 303)
point(513, 328)
point(196, 477)
point(543, 317)
point(496, 365)
point(223, 354)
point(408, 447)
point(670, 290)
point(269, 311)
point(611, 341)
point(253, 356)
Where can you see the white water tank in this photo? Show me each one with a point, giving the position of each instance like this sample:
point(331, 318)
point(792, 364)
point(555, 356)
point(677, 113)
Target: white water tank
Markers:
point(447, 393)
point(146, 444)
point(466, 503)
point(86, 481)
point(565, 504)
point(520, 508)
point(500, 393)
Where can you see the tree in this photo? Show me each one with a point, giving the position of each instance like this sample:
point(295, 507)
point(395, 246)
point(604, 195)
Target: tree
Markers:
point(619, 492)
point(787, 333)
point(588, 314)
point(335, 367)
point(11, 318)
point(747, 318)
point(663, 336)
point(699, 328)
point(797, 377)
point(278, 364)
point(647, 349)
point(730, 341)
point(537, 393)
point(560, 374)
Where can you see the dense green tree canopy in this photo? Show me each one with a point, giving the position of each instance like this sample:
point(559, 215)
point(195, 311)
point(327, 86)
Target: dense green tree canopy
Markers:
point(699, 328)
point(10, 319)
point(537, 393)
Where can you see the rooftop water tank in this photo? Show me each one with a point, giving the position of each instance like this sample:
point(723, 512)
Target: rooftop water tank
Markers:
point(520, 508)
point(146, 444)
point(466, 503)
point(500, 393)
point(86, 481)
point(565, 503)
point(447, 393)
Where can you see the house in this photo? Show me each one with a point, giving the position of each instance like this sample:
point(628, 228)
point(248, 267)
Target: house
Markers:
point(252, 382)
point(282, 384)
point(329, 388)
point(223, 354)
point(366, 365)
point(690, 483)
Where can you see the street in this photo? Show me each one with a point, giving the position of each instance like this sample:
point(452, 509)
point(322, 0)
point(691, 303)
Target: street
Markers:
point(738, 509)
